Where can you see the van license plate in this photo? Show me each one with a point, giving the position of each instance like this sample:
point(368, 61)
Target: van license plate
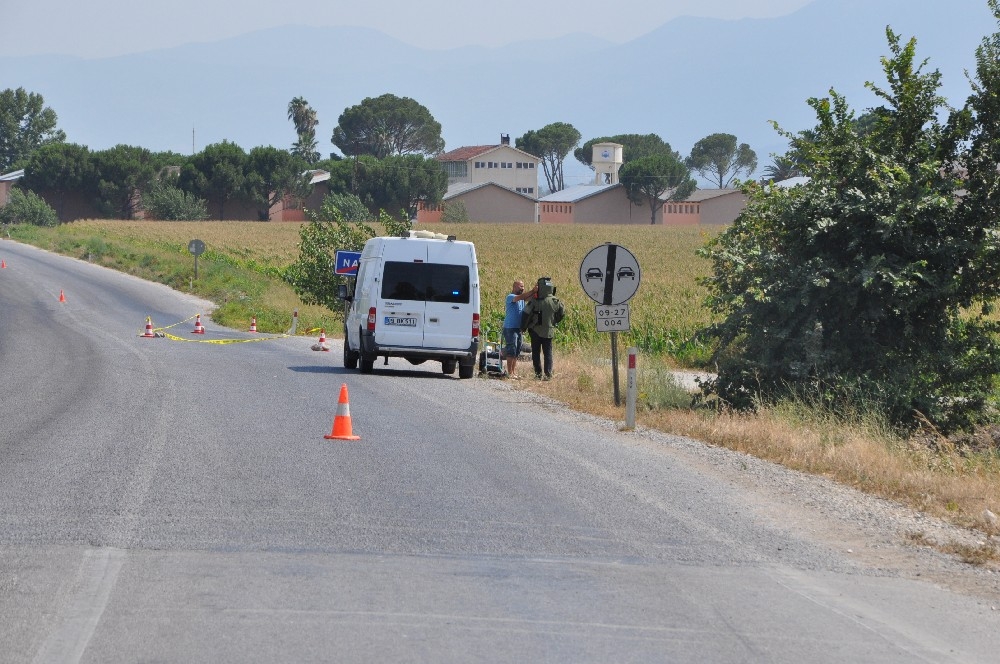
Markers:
point(400, 320)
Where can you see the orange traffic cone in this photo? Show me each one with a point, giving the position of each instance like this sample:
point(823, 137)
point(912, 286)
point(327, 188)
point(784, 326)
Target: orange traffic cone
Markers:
point(62, 296)
point(149, 330)
point(342, 422)
point(322, 341)
point(253, 324)
point(3, 264)
point(198, 329)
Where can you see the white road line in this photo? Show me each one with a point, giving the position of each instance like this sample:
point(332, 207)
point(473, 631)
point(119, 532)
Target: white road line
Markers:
point(84, 604)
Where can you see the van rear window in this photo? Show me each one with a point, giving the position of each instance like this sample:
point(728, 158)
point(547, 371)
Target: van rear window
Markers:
point(427, 282)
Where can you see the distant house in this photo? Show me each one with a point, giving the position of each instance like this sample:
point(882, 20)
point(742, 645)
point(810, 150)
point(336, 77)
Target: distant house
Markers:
point(484, 202)
point(7, 181)
point(705, 206)
point(505, 165)
point(591, 204)
point(293, 208)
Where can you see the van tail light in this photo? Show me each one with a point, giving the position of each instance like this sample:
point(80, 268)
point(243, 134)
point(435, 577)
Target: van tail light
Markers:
point(475, 326)
point(371, 319)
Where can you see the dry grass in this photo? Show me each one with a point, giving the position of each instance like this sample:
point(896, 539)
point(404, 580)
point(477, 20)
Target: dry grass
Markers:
point(946, 482)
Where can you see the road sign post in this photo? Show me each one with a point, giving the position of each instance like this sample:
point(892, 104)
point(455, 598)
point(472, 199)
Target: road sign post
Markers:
point(197, 248)
point(610, 275)
point(631, 389)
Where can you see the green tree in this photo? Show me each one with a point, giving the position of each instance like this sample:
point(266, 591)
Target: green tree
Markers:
point(57, 169)
point(782, 168)
point(455, 212)
point(166, 202)
point(304, 118)
point(313, 275)
point(870, 287)
point(634, 146)
point(340, 207)
point(551, 144)
point(217, 173)
point(659, 177)
point(718, 159)
point(407, 179)
point(387, 125)
point(271, 174)
point(122, 173)
point(27, 207)
point(26, 124)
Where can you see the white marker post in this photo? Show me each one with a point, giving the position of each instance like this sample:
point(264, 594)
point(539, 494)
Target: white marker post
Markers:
point(631, 389)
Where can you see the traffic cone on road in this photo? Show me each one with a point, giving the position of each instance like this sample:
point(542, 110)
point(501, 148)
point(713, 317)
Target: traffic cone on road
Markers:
point(62, 296)
point(149, 330)
point(3, 264)
point(198, 329)
point(253, 324)
point(342, 421)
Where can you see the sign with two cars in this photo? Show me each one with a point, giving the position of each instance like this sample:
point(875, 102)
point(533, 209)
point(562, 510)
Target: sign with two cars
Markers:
point(610, 275)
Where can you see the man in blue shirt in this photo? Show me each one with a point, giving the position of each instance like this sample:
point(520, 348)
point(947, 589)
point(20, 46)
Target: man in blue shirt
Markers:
point(512, 335)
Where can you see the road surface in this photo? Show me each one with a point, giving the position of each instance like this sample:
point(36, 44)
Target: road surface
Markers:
point(165, 501)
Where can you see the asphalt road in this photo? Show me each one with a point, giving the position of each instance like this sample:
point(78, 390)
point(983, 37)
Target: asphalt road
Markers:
point(168, 501)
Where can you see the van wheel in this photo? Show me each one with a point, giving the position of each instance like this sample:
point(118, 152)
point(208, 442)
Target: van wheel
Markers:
point(350, 356)
point(466, 370)
point(448, 366)
point(367, 363)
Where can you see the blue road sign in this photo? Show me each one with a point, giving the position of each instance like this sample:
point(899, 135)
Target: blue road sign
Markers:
point(347, 263)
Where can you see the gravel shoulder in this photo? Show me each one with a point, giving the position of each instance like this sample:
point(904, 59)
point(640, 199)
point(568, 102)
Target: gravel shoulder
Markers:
point(885, 537)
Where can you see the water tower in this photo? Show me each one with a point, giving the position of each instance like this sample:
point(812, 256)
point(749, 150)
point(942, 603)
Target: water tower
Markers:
point(606, 160)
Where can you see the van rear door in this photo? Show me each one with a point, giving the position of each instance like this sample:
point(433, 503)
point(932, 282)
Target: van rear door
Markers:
point(400, 309)
point(452, 295)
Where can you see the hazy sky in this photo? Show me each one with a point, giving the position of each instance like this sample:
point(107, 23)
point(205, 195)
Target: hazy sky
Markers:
point(99, 28)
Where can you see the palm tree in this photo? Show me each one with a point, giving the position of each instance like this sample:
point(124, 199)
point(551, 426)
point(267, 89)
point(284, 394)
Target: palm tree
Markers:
point(781, 169)
point(304, 119)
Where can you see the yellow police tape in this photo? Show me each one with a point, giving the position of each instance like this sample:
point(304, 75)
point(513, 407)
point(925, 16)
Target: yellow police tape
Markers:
point(167, 335)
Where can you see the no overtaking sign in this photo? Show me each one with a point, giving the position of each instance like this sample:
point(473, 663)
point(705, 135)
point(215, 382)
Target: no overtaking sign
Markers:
point(609, 274)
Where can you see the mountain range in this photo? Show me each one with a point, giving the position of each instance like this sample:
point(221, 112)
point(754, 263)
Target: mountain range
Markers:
point(684, 80)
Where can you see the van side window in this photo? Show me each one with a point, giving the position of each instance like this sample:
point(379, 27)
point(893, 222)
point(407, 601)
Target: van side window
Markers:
point(430, 282)
point(448, 283)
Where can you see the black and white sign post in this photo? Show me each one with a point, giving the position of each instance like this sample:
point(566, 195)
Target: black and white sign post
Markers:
point(609, 275)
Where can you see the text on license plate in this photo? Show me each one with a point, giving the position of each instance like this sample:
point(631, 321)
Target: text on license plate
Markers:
point(405, 321)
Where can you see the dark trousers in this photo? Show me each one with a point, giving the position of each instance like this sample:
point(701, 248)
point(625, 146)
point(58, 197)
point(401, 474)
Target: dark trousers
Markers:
point(540, 346)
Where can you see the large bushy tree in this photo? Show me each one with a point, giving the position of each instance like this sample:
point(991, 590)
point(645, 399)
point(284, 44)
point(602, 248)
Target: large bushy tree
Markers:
point(387, 125)
point(718, 159)
point(270, 175)
point(551, 144)
point(871, 286)
point(122, 173)
point(217, 173)
point(658, 177)
point(57, 169)
point(634, 146)
point(26, 124)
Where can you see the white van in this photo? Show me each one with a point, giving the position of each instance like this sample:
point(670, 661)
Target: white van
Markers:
point(416, 297)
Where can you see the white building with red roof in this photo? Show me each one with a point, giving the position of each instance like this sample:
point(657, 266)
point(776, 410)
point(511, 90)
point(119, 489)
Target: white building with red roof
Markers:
point(501, 164)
